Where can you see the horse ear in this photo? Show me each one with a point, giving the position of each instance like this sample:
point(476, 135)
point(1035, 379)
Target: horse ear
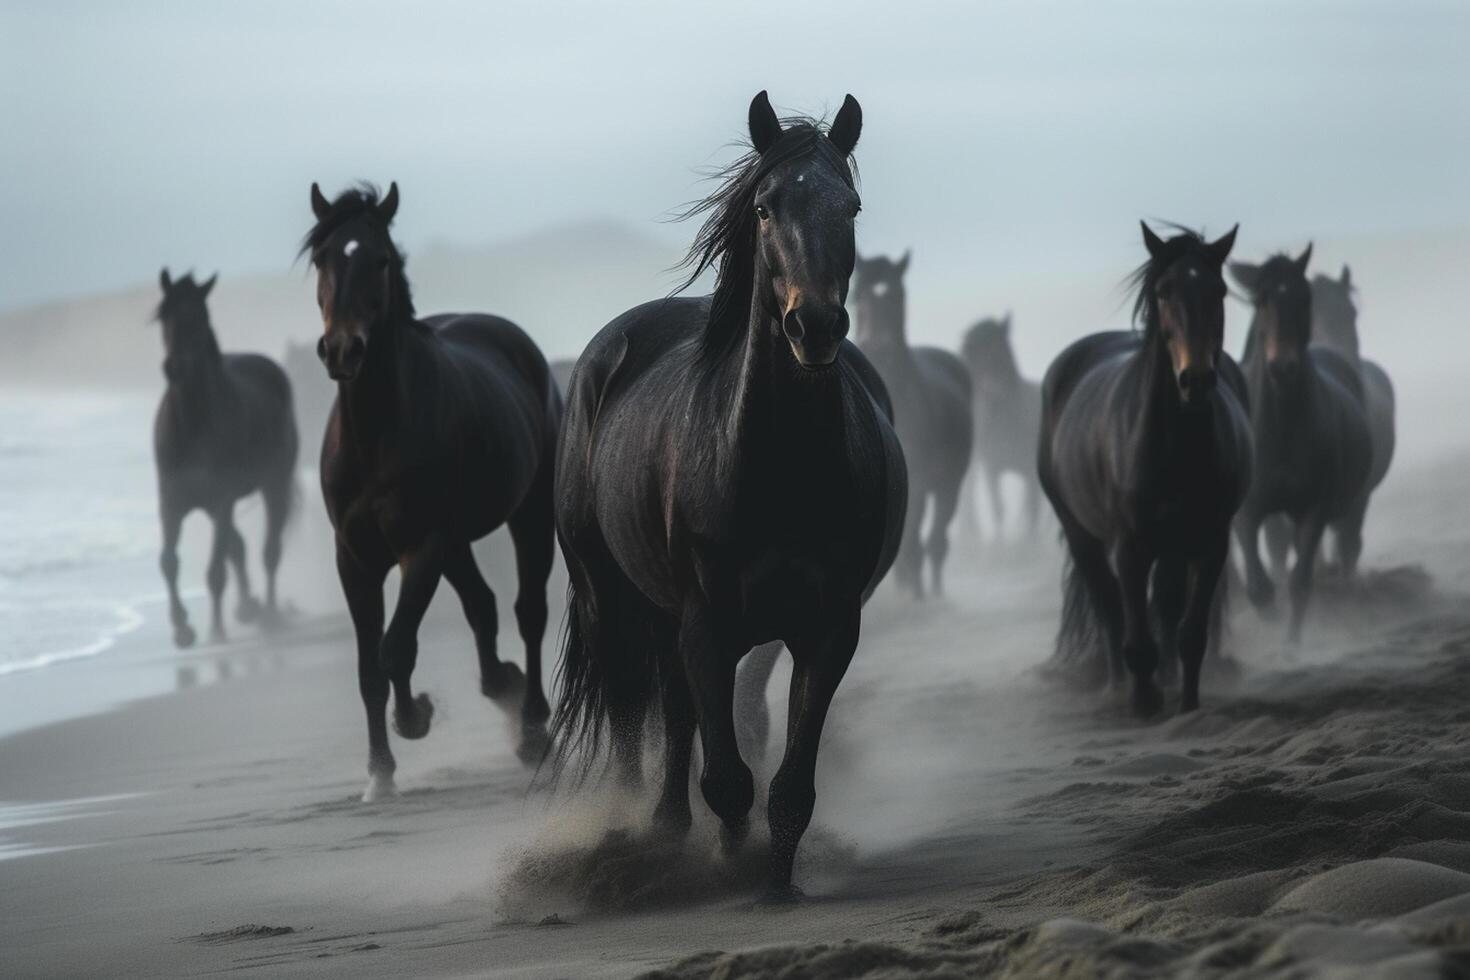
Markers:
point(847, 127)
point(319, 203)
point(165, 281)
point(1220, 248)
point(1303, 259)
point(1245, 274)
point(1152, 242)
point(389, 206)
point(765, 127)
point(207, 285)
point(903, 263)
point(1347, 277)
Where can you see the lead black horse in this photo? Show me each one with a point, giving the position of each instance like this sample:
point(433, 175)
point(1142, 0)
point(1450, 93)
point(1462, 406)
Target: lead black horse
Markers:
point(931, 392)
point(443, 429)
point(1145, 455)
point(224, 430)
point(727, 477)
point(1314, 450)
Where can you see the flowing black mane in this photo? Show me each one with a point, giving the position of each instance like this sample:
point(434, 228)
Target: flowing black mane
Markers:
point(360, 203)
point(726, 240)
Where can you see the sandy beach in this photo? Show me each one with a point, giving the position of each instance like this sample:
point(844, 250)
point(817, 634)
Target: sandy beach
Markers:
point(972, 818)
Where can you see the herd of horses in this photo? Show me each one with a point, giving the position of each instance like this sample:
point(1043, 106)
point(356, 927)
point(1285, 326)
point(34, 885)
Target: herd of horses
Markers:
point(730, 475)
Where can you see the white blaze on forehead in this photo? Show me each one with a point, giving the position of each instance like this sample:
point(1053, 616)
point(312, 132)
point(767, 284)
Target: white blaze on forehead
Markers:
point(350, 247)
point(800, 178)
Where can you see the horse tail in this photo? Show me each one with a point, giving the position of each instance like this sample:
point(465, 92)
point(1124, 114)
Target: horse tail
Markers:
point(608, 676)
point(1080, 657)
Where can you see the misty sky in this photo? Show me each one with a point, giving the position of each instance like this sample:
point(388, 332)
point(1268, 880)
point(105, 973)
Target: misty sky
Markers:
point(1015, 137)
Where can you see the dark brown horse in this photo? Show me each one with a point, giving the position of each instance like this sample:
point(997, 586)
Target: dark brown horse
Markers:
point(1007, 417)
point(1313, 448)
point(223, 431)
point(931, 396)
point(728, 477)
point(1145, 455)
point(444, 429)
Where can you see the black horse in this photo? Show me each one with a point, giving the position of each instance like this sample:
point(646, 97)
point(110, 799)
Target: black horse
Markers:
point(1007, 417)
point(930, 389)
point(727, 477)
point(1335, 327)
point(444, 428)
point(1145, 454)
point(1313, 448)
point(224, 430)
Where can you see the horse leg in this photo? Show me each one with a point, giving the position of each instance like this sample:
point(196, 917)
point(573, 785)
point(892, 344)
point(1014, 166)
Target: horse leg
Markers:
point(1258, 586)
point(1277, 531)
point(946, 499)
point(1169, 593)
point(709, 664)
point(1033, 505)
point(399, 651)
point(1308, 539)
point(752, 715)
point(215, 575)
point(1132, 564)
point(168, 561)
point(819, 665)
point(363, 588)
point(1349, 534)
point(277, 510)
point(247, 609)
point(969, 519)
point(1194, 628)
point(533, 530)
point(997, 502)
point(672, 817)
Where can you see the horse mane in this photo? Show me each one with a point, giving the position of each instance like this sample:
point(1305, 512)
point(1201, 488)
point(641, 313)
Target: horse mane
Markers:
point(357, 203)
point(726, 240)
point(1143, 279)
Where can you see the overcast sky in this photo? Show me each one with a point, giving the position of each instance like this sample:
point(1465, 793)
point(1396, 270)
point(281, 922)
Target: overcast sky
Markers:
point(1015, 136)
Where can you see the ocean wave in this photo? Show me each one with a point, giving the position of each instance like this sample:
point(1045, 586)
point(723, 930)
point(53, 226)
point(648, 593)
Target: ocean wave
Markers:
point(127, 618)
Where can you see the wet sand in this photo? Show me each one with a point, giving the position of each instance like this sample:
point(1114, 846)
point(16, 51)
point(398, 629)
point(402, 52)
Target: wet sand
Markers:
point(971, 818)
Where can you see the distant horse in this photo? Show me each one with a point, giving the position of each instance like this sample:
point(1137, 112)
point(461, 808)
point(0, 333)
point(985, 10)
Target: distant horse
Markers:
point(223, 431)
point(1335, 327)
point(930, 389)
point(1007, 416)
point(444, 429)
point(727, 477)
point(1313, 447)
point(1145, 454)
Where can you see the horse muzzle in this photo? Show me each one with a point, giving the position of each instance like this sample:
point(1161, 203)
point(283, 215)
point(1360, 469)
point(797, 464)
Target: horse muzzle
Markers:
point(342, 355)
point(815, 335)
point(1196, 385)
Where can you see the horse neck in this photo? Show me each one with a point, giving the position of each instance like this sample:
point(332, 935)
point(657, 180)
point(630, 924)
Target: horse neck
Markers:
point(1342, 340)
point(198, 395)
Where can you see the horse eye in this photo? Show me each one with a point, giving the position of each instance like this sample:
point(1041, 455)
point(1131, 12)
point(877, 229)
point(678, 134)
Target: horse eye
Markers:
point(761, 212)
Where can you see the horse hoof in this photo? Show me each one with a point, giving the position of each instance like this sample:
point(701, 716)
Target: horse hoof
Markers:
point(184, 636)
point(778, 894)
point(249, 610)
point(505, 685)
point(380, 787)
point(535, 745)
point(414, 723)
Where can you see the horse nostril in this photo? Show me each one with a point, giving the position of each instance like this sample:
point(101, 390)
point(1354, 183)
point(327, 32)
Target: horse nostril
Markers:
point(356, 348)
point(793, 326)
point(321, 349)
